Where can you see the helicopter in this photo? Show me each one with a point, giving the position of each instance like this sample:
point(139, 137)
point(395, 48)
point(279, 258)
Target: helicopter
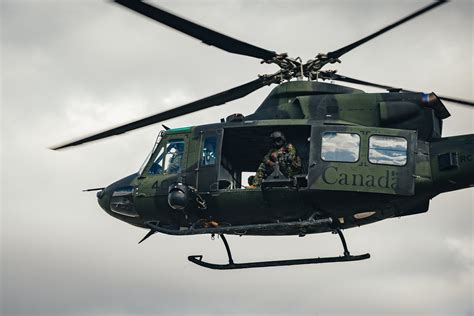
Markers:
point(365, 157)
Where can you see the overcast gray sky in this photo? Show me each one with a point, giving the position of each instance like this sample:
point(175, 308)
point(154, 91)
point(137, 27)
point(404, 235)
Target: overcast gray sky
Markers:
point(73, 67)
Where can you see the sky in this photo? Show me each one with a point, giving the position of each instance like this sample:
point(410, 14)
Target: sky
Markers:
point(70, 68)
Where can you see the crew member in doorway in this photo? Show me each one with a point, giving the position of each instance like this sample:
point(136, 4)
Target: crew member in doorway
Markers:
point(282, 154)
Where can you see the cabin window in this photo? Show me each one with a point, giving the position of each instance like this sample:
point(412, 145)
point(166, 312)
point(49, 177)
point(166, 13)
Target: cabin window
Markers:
point(388, 150)
point(208, 156)
point(343, 147)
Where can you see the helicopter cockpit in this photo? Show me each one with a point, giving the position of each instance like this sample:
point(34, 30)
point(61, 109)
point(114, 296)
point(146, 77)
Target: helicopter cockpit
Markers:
point(164, 159)
point(169, 161)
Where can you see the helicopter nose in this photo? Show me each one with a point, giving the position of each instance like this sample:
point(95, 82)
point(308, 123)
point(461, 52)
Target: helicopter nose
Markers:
point(103, 197)
point(117, 198)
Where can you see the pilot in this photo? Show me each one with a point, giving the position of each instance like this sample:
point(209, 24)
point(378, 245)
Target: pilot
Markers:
point(176, 151)
point(282, 154)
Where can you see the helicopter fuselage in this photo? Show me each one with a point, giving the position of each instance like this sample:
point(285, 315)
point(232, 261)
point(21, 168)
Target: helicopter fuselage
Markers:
point(365, 156)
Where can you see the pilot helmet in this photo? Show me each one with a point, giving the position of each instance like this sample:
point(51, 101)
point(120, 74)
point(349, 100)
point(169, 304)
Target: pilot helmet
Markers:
point(178, 147)
point(278, 138)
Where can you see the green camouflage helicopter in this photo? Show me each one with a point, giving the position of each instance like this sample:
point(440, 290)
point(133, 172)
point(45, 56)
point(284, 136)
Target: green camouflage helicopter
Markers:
point(364, 157)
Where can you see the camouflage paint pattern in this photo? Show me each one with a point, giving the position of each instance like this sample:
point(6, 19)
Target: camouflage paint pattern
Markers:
point(351, 193)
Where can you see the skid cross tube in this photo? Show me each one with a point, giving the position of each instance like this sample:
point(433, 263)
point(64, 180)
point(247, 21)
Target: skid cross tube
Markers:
point(197, 259)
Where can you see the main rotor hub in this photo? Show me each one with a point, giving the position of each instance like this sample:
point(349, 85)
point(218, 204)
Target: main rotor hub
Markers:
point(294, 67)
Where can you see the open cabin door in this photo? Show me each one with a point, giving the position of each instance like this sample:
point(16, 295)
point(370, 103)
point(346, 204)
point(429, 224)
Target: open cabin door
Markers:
point(361, 159)
point(245, 147)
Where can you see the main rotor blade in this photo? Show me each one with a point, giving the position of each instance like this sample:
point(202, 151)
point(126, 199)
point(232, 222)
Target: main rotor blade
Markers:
point(333, 76)
point(197, 31)
point(337, 77)
point(341, 51)
point(213, 100)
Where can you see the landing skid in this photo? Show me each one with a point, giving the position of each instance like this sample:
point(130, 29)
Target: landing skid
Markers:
point(197, 259)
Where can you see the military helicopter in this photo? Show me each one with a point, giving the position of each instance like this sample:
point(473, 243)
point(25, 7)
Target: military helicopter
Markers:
point(364, 157)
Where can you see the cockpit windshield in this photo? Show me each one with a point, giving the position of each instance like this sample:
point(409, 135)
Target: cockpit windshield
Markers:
point(157, 166)
point(149, 156)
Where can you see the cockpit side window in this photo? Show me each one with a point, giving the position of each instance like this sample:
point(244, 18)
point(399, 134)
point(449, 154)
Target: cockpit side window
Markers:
point(388, 150)
point(343, 147)
point(208, 155)
point(168, 159)
point(174, 156)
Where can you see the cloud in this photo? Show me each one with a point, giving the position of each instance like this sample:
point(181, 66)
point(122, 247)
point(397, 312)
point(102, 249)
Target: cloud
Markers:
point(75, 67)
point(340, 146)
